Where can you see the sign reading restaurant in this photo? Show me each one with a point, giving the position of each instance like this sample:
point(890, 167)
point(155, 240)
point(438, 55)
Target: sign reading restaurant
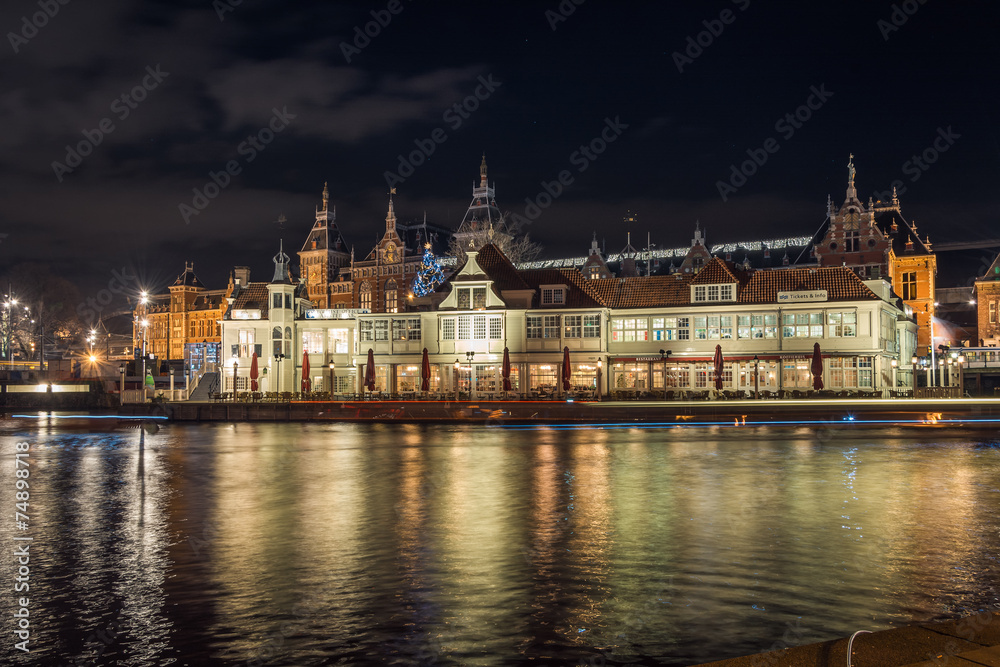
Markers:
point(802, 295)
point(335, 313)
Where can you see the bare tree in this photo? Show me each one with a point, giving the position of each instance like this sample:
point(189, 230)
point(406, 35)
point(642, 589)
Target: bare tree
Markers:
point(517, 247)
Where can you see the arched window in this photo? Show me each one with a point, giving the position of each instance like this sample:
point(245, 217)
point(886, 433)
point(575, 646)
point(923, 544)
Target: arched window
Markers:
point(390, 297)
point(276, 341)
point(366, 295)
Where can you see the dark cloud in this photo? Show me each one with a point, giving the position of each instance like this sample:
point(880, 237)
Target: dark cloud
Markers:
point(354, 119)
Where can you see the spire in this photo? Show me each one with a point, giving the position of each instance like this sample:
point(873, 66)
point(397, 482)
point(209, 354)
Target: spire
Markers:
point(326, 197)
point(281, 265)
point(699, 238)
point(482, 172)
point(851, 192)
point(895, 198)
point(390, 218)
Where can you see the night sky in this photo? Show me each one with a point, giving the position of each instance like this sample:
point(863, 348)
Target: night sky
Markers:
point(217, 80)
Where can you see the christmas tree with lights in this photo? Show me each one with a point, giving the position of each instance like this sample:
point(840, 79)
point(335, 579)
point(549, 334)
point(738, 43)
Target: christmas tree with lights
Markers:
point(429, 276)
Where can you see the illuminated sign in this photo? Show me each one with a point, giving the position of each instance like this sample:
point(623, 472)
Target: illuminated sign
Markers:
point(335, 313)
point(802, 296)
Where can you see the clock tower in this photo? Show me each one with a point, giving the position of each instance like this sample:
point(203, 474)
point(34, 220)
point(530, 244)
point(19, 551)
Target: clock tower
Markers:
point(852, 238)
point(323, 253)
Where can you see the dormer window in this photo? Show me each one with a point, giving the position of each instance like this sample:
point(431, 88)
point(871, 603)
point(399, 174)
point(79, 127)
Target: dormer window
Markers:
point(471, 298)
point(707, 293)
point(554, 295)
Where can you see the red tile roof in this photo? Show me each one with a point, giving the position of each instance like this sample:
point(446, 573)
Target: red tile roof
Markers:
point(497, 267)
point(715, 272)
point(251, 297)
point(840, 283)
point(643, 292)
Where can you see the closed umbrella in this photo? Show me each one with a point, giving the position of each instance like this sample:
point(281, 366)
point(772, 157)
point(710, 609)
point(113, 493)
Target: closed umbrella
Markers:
point(370, 371)
point(425, 372)
point(817, 368)
point(718, 367)
point(254, 373)
point(306, 382)
point(567, 372)
point(505, 371)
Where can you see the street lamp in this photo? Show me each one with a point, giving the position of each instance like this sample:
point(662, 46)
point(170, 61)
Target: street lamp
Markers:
point(663, 358)
point(236, 370)
point(121, 393)
point(599, 365)
point(756, 377)
point(472, 375)
point(894, 363)
point(457, 365)
point(333, 366)
point(278, 356)
point(961, 375)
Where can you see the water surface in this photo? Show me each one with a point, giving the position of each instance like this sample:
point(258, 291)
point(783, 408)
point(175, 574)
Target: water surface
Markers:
point(293, 544)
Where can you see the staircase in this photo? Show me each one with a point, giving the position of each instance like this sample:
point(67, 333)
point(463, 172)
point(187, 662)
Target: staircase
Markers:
point(208, 385)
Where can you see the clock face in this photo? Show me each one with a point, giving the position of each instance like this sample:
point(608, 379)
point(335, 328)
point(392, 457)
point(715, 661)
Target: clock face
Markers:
point(390, 252)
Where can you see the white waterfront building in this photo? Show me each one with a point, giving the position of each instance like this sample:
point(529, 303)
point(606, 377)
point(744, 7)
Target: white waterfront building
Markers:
point(643, 336)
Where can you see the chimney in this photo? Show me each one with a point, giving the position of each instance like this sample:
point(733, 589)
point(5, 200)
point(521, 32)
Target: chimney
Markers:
point(241, 275)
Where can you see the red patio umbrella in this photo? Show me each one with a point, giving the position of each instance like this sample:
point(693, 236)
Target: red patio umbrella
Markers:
point(425, 373)
point(817, 368)
point(306, 382)
point(370, 371)
point(254, 373)
point(505, 371)
point(718, 367)
point(567, 372)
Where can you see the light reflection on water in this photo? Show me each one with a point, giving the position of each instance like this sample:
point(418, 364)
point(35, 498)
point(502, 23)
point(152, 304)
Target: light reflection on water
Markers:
point(312, 544)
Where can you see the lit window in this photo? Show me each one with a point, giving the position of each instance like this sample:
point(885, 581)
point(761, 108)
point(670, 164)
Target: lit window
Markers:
point(533, 324)
point(551, 329)
point(574, 326)
point(629, 330)
point(312, 342)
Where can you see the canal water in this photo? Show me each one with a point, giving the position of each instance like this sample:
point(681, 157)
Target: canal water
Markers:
point(329, 544)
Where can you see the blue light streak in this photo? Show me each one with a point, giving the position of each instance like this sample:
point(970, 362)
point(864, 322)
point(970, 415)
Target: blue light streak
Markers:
point(88, 417)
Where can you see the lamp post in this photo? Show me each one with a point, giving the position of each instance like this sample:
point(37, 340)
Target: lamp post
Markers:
point(961, 375)
point(893, 363)
point(472, 375)
point(9, 307)
point(457, 364)
point(756, 377)
point(277, 371)
point(663, 358)
point(599, 364)
point(121, 393)
point(236, 370)
point(333, 367)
